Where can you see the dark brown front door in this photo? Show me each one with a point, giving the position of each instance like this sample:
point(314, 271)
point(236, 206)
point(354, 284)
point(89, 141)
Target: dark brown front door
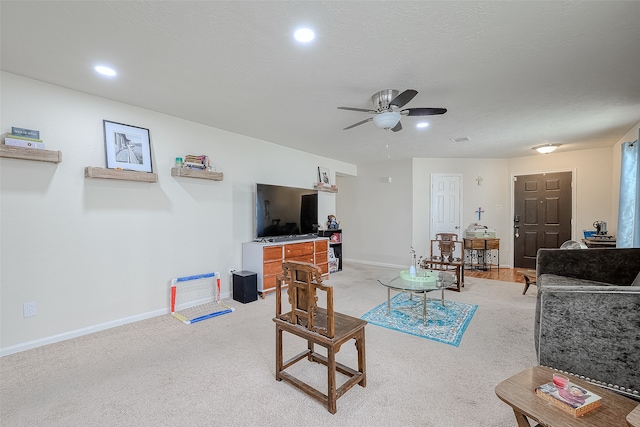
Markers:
point(542, 209)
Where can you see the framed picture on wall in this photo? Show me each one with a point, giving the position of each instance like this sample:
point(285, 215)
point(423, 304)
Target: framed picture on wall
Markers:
point(324, 175)
point(127, 147)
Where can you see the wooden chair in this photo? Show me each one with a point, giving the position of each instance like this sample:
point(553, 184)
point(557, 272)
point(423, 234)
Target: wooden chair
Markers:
point(446, 244)
point(317, 325)
point(444, 257)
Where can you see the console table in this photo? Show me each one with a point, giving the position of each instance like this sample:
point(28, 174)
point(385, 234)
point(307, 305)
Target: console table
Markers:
point(265, 259)
point(517, 392)
point(481, 247)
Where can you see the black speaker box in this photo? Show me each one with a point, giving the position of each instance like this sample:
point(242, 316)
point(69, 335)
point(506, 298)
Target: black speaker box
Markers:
point(245, 286)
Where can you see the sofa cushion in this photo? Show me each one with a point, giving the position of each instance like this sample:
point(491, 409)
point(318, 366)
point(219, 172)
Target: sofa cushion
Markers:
point(555, 280)
point(593, 332)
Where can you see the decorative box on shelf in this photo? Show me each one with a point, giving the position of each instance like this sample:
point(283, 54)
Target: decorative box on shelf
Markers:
point(321, 186)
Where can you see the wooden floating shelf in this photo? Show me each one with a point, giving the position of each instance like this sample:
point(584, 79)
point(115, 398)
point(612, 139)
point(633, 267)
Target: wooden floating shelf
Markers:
point(93, 172)
point(327, 188)
point(36, 154)
point(195, 173)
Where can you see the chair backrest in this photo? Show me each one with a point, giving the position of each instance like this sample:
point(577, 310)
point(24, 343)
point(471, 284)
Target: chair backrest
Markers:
point(302, 280)
point(446, 244)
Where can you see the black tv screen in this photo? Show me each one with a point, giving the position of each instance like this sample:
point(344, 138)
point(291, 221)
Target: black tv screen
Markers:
point(285, 211)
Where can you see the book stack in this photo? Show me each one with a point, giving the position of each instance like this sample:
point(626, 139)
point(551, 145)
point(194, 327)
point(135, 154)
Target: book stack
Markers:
point(21, 137)
point(572, 398)
point(196, 162)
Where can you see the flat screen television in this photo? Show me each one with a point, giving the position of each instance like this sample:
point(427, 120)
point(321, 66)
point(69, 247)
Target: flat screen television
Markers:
point(285, 211)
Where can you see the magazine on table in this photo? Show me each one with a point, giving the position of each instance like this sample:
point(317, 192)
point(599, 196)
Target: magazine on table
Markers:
point(572, 398)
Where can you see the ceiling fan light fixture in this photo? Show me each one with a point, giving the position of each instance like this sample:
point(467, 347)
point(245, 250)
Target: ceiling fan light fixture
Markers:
point(546, 148)
point(387, 119)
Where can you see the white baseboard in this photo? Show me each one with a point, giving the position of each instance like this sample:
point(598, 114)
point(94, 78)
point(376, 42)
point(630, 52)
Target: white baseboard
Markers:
point(79, 332)
point(88, 330)
point(402, 267)
point(377, 264)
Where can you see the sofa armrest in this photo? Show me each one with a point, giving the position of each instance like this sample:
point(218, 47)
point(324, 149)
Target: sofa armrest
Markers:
point(592, 331)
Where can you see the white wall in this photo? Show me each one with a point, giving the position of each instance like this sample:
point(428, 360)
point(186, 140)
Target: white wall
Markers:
point(375, 215)
point(592, 182)
point(378, 225)
point(490, 195)
point(95, 253)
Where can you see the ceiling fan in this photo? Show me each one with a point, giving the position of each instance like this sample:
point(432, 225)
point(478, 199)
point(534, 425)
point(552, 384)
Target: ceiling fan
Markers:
point(387, 111)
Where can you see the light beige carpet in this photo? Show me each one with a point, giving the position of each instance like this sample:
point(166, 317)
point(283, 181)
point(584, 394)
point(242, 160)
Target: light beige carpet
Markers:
point(220, 372)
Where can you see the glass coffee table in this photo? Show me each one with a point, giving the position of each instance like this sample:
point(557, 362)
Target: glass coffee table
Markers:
point(423, 282)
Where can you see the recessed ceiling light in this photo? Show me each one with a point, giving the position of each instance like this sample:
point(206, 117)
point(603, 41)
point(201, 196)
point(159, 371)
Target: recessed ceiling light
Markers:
point(304, 35)
point(105, 71)
point(422, 125)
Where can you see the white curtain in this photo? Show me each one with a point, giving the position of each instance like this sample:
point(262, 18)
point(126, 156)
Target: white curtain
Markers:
point(628, 235)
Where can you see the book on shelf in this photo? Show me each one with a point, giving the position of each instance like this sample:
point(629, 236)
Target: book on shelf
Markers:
point(193, 165)
point(573, 398)
point(16, 142)
point(28, 133)
point(196, 162)
point(23, 138)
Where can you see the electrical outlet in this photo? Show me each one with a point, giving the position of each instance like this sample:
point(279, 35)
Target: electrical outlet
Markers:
point(29, 309)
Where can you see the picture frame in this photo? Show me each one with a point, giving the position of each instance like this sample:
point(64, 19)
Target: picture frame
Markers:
point(324, 175)
point(127, 147)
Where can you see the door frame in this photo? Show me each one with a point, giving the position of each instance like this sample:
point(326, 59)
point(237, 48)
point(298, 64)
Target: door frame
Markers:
point(574, 204)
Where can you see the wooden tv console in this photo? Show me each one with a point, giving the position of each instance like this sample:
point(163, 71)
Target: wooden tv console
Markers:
point(265, 258)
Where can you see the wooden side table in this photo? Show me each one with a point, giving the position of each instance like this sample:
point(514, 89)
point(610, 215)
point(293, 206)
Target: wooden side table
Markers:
point(484, 246)
point(517, 392)
point(633, 419)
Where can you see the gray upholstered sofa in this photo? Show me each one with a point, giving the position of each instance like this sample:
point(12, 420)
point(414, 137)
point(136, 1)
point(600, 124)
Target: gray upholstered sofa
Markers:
point(588, 315)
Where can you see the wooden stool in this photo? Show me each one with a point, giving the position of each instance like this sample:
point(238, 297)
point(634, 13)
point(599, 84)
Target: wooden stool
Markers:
point(529, 279)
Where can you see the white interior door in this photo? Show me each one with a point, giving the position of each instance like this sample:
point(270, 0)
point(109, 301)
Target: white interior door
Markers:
point(446, 196)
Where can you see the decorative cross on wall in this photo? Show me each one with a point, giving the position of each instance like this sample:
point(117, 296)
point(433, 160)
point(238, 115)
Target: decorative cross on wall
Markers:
point(479, 212)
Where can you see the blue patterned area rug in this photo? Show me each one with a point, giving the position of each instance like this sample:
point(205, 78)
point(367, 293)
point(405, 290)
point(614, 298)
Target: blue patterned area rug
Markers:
point(444, 324)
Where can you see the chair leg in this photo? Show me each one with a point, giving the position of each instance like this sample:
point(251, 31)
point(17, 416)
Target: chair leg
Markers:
point(311, 348)
point(278, 353)
point(526, 285)
point(331, 386)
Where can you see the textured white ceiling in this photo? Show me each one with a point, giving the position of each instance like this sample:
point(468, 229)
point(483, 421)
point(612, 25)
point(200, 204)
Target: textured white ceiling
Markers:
point(511, 74)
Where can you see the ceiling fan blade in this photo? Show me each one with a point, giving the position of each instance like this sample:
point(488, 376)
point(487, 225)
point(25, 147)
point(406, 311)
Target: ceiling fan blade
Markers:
point(423, 111)
point(364, 110)
point(359, 123)
point(403, 98)
point(397, 127)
